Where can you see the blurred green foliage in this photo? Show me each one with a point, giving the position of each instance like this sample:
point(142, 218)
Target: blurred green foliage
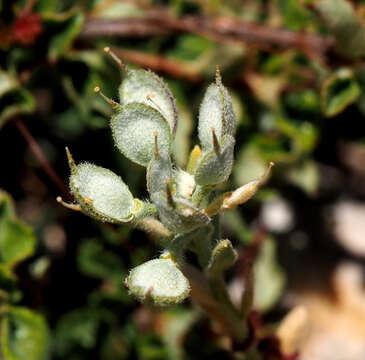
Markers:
point(294, 107)
point(24, 334)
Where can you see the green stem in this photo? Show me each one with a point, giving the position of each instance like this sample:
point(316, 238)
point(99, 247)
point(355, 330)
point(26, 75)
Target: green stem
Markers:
point(224, 314)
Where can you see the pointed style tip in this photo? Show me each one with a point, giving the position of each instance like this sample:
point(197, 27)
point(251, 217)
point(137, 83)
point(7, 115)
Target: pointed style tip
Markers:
point(215, 139)
point(170, 199)
point(244, 193)
point(267, 173)
point(108, 100)
point(59, 199)
point(114, 57)
point(156, 153)
point(149, 292)
point(68, 153)
point(71, 161)
point(218, 76)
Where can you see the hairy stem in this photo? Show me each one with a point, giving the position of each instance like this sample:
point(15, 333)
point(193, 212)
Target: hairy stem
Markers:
point(203, 296)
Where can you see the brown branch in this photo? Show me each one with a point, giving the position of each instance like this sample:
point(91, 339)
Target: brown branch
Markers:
point(131, 27)
point(222, 29)
point(38, 153)
point(160, 64)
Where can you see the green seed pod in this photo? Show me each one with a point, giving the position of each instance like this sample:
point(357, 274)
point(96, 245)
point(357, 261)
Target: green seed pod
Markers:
point(134, 129)
point(216, 111)
point(216, 165)
point(102, 194)
point(159, 281)
point(146, 87)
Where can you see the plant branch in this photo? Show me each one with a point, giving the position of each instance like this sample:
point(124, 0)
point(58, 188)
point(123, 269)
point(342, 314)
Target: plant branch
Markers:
point(160, 64)
point(221, 29)
point(202, 295)
point(128, 27)
point(38, 153)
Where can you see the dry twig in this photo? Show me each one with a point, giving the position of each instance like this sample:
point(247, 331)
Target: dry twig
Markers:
point(222, 29)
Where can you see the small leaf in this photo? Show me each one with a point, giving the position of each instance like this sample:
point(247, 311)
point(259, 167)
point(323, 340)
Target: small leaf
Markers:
point(306, 176)
point(158, 280)
point(294, 14)
point(71, 26)
point(95, 261)
point(17, 240)
point(216, 111)
point(339, 91)
point(102, 194)
point(14, 99)
point(134, 128)
point(269, 277)
point(76, 329)
point(24, 335)
point(340, 18)
point(45, 6)
point(215, 167)
point(223, 257)
point(146, 87)
point(7, 209)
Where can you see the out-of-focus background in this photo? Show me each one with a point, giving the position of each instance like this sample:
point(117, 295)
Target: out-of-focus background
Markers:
point(296, 74)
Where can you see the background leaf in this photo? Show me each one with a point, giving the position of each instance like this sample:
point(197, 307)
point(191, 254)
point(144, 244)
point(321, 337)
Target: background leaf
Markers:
point(339, 91)
point(269, 277)
point(70, 27)
point(24, 335)
point(17, 240)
